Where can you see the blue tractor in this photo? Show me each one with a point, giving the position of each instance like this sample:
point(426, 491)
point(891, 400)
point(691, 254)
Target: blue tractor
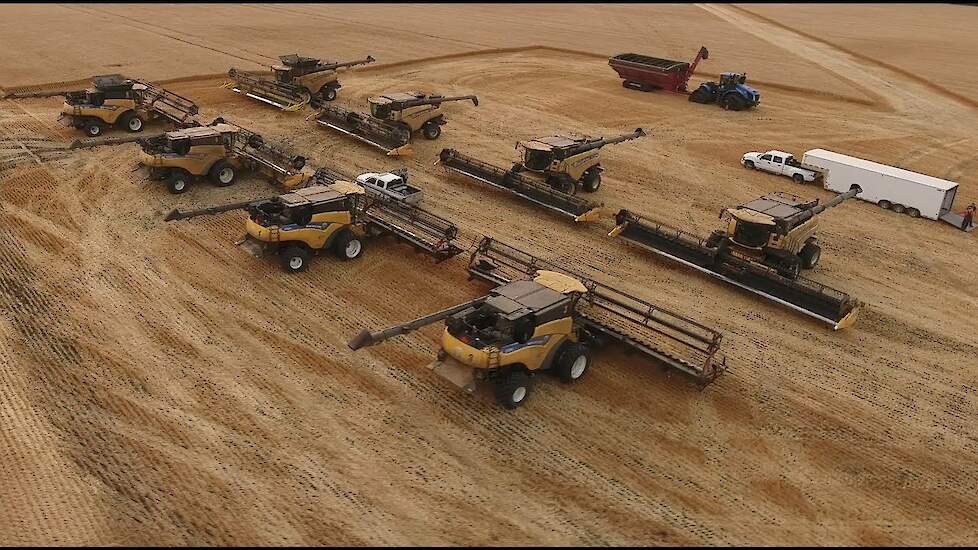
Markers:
point(732, 93)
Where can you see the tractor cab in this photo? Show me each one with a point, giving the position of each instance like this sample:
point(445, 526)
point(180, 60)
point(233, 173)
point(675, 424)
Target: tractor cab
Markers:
point(730, 80)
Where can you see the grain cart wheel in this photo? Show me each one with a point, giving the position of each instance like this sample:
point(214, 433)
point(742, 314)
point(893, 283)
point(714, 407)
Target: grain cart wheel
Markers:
point(898, 208)
point(294, 259)
point(749, 164)
point(178, 181)
point(573, 361)
point(885, 204)
point(810, 253)
point(431, 130)
point(222, 173)
point(131, 122)
point(513, 389)
point(347, 246)
point(798, 178)
point(913, 212)
point(93, 128)
point(732, 102)
point(591, 180)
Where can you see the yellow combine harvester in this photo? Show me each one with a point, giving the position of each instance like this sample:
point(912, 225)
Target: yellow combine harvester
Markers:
point(299, 80)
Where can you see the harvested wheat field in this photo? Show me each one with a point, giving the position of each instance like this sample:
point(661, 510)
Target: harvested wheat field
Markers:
point(159, 386)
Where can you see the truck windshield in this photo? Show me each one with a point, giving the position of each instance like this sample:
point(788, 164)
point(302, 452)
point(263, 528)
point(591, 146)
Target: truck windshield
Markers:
point(750, 234)
point(537, 160)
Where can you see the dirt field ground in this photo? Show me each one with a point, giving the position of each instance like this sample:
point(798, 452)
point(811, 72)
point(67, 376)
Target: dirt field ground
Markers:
point(160, 386)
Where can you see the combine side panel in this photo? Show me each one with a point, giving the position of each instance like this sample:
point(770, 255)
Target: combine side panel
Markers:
point(365, 128)
point(809, 297)
point(167, 104)
point(673, 339)
point(536, 192)
point(424, 230)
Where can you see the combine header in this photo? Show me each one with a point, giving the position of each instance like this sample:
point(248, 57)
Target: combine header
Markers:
point(218, 151)
point(545, 318)
point(335, 217)
point(531, 189)
point(127, 103)
point(766, 244)
point(393, 119)
point(298, 81)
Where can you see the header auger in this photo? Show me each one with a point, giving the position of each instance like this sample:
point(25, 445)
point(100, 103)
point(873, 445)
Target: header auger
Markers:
point(393, 119)
point(543, 318)
point(299, 81)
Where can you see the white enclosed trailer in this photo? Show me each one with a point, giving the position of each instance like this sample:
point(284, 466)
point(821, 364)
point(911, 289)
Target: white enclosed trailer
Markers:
point(888, 186)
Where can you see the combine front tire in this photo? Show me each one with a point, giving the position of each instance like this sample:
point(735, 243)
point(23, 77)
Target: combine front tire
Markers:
point(431, 130)
point(222, 173)
point(513, 389)
point(810, 253)
point(295, 259)
point(131, 122)
point(178, 181)
point(573, 361)
point(347, 245)
point(591, 180)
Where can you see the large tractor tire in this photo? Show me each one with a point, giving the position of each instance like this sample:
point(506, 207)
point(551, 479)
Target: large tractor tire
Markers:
point(131, 122)
point(347, 246)
point(178, 181)
point(573, 362)
point(222, 173)
point(295, 258)
point(733, 102)
point(591, 180)
point(810, 254)
point(701, 95)
point(513, 389)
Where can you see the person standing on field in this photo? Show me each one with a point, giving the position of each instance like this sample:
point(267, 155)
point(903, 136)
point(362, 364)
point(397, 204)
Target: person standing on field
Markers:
point(968, 215)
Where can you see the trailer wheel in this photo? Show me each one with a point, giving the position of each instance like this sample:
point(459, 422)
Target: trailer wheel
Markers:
point(573, 362)
point(347, 246)
point(591, 180)
point(294, 259)
point(93, 128)
point(913, 212)
point(431, 130)
point(222, 173)
point(513, 389)
point(798, 178)
point(810, 254)
point(898, 208)
point(131, 122)
point(178, 181)
point(885, 204)
point(749, 164)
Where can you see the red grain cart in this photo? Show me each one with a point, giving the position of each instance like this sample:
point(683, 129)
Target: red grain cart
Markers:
point(641, 72)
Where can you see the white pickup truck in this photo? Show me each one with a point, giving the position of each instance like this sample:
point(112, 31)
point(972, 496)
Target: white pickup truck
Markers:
point(779, 162)
point(393, 185)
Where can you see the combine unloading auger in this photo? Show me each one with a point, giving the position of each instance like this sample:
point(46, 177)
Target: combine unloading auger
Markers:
point(537, 192)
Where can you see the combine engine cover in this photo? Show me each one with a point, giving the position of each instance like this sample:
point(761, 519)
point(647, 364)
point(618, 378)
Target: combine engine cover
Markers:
point(809, 297)
point(536, 192)
point(392, 138)
point(609, 314)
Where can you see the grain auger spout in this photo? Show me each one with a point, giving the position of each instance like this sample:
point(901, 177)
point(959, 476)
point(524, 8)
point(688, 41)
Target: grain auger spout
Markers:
point(591, 144)
point(367, 338)
point(177, 214)
point(431, 100)
point(331, 66)
point(785, 225)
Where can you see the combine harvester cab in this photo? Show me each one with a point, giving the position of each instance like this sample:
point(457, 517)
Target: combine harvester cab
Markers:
point(126, 103)
point(337, 217)
point(545, 318)
point(299, 81)
point(218, 152)
point(645, 73)
point(767, 264)
point(393, 120)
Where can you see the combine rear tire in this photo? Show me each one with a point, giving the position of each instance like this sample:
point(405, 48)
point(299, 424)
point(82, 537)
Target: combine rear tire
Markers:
point(810, 253)
point(93, 128)
point(295, 259)
point(573, 361)
point(513, 389)
point(591, 180)
point(178, 181)
point(222, 173)
point(798, 178)
point(347, 246)
point(131, 122)
point(431, 130)
point(732, 102)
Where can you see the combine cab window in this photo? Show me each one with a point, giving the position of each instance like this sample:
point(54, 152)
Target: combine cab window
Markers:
point(178, 146)
point(380, 111)
point(751, 234)
point(283, 76)
point(538, 160)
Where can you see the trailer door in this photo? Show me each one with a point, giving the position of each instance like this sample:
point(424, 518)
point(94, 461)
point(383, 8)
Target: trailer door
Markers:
point(948, 199)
